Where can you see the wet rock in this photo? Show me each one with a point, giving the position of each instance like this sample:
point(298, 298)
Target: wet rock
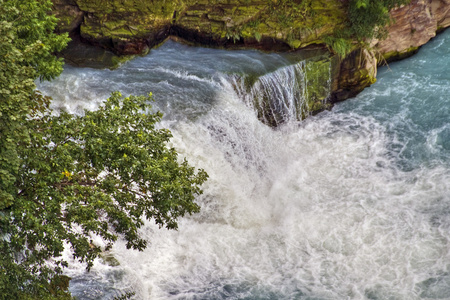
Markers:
point(356, 72)
point(69, 15)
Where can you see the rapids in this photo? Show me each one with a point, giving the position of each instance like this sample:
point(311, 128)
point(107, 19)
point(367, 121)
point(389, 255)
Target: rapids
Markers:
point(353, 203)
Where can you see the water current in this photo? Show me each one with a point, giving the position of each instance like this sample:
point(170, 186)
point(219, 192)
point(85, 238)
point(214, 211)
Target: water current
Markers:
point(353, 203)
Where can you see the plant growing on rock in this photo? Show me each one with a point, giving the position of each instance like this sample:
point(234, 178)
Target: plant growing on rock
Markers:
point(366, 19)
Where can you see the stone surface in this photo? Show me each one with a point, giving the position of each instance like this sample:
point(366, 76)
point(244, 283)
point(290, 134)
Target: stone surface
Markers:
point(268, 25)
point(440, 9)
point(69, 14)
point(132, 26)
point(126, 26)
point(356, 72)
point(413, 26)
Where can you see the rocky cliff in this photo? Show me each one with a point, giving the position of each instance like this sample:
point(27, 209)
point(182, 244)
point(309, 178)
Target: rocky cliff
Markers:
point(135, 26)
point(412, 26)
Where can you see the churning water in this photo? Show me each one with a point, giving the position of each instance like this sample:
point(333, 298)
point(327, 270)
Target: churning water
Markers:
point(353, 203)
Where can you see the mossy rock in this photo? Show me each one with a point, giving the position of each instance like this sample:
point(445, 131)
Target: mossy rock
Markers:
point(264, 24)
point(396, 55)
point(109, 259)
point(318, 74)
point(69, 15)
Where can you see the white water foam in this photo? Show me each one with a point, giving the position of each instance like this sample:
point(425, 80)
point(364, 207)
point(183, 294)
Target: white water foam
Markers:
point(322, 209)
point(310, 211)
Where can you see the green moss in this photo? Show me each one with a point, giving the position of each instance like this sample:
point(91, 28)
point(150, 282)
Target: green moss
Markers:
point(295, 44)
point(365, 78)
point(395, 55)
point(109, 260)
point(295, 23)
point(125, 18)
point(311, 22)
point(117, 61)
point(318, 83)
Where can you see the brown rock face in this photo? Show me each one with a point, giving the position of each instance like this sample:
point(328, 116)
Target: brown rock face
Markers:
point(413, 26)
point(440, 9)
point(356, 72)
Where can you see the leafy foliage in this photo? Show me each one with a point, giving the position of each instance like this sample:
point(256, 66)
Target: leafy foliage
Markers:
point(96, 174)
point(341, 46)
point(26, 45)
point(366, 20)
point(368, 17)
point(66, 178)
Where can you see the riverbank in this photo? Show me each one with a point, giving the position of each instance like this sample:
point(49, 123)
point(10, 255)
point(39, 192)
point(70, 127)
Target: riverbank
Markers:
point(132, 27)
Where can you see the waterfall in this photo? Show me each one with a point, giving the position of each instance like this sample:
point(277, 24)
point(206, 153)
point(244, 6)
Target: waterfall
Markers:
point(352, 203)
point(290, 93)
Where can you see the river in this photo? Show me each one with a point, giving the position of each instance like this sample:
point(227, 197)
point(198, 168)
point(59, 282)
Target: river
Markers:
point(353, 203)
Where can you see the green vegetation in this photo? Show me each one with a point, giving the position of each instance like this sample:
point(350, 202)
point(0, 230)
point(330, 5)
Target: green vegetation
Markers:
point(66, 178)
point(317, 84)
point(339, 24)
point(366, 19)
point(26, 46)
point(297, 23)
point(342, 25)
point(397, 55)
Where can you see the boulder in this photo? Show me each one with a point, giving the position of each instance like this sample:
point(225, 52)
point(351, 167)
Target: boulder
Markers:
point(126, 27)
point(412, 26)
point(357, 71)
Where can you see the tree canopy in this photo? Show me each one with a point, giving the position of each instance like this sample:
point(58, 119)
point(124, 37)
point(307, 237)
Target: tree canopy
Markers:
point(67, 178)
point(27, 43)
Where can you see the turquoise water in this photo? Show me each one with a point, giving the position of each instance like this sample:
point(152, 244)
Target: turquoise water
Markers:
point(353, 203)
point(411, 99)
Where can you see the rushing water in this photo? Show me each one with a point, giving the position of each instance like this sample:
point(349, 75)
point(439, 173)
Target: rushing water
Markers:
point(350, 204)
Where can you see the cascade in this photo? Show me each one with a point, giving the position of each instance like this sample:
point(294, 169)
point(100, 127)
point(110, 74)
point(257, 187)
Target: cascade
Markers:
point(290, 93)
point(352, 203)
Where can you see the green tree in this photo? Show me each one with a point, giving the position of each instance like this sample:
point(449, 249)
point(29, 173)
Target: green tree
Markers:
point(27, 43)
point(66, 178)
point(96, 174)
